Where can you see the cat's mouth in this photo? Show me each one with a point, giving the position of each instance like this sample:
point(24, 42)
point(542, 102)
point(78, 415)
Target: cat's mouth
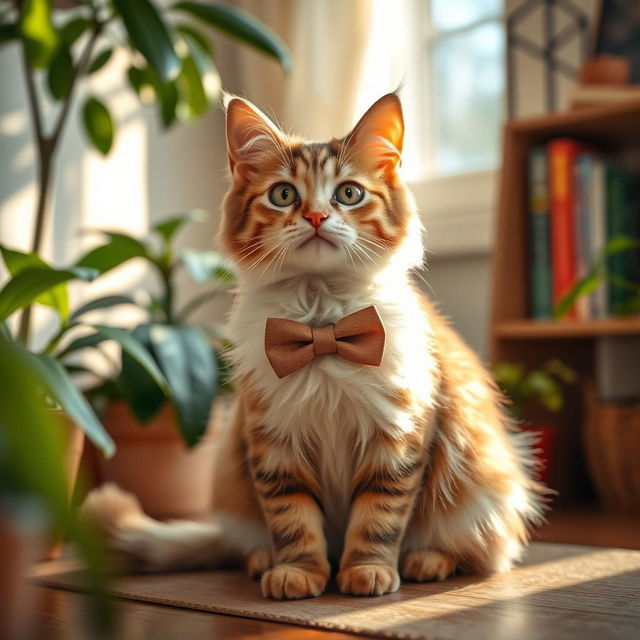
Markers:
point(316, 239)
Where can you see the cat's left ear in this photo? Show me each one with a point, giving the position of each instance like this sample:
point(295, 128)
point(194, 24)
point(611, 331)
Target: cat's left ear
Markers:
point(378, 136)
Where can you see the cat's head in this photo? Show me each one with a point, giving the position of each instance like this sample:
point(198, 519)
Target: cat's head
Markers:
point(297, 207)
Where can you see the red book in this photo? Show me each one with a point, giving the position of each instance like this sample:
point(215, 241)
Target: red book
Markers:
point(562, 153)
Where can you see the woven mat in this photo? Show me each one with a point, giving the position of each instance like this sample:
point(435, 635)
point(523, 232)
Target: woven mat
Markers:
point(560, 591)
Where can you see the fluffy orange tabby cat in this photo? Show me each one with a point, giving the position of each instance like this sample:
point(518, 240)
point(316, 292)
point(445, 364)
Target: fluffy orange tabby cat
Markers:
point(403, 470)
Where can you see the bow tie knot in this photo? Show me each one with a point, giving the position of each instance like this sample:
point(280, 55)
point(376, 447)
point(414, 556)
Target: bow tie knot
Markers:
point(358, 337)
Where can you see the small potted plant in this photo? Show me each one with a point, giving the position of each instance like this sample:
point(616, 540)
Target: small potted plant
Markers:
point(164, 440)
point(33, 281)
point(543, 385)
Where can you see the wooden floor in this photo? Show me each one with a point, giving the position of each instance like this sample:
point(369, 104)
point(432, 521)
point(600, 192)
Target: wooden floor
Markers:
point(59, 614)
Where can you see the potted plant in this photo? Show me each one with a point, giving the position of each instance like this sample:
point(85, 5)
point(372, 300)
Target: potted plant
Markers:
point(31, 281)
point(34, 490)
point(151, 428)
point(543, 385)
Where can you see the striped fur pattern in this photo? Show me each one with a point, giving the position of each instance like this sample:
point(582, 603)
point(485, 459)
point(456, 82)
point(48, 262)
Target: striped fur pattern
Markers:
point(407, 470)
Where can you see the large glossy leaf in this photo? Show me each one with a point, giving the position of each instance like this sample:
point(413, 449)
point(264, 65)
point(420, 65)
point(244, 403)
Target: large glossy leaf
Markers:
point(25, 287)
point(143, 395)
point(151, 35)
point(98, 125)
point(38, 33)
point(241, 25)
point(188, 362)
point(60, 73)
point(101, 303)
point(136, 350)
point(100, 60)
point(72, 30)
point(199, 79)
point(118, 249)
point(60, 386)
point(57, 298)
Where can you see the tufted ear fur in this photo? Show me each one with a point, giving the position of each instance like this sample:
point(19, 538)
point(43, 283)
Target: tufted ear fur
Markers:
point(378, 136)
point(252, 138)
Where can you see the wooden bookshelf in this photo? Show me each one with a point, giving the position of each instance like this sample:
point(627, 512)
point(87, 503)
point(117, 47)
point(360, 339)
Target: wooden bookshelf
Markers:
point(514, 336)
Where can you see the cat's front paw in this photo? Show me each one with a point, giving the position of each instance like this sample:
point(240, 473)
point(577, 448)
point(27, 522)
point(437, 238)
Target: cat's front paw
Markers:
point(368, 580)
point(287, 581)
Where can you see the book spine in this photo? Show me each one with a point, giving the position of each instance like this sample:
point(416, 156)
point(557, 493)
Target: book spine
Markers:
point(563, 237)
point(598, 229)
point(581, 173)
point(540, 235)
point(618, 224)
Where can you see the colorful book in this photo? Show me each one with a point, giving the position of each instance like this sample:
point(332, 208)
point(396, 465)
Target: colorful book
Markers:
point(582, 227)
point(562, 154)
point(540, 235)
point(598, 229)
point(619, 223)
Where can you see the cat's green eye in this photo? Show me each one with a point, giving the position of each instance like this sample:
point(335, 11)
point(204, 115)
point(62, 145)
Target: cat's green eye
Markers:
point(283, 194)
point(349, 193)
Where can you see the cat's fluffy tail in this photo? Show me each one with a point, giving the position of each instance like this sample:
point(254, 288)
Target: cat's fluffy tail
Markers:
point(150, 545)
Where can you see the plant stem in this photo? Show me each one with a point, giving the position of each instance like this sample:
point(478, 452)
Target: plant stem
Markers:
point(46, 147)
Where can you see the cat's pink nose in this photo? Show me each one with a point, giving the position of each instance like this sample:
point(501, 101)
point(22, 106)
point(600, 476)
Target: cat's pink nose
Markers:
point(315, 218)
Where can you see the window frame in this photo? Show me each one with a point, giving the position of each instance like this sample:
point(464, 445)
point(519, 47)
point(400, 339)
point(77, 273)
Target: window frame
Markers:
point(458, 210)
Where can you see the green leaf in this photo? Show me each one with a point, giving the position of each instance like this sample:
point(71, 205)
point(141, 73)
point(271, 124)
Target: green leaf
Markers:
point(169, 227)
point(119, 248)
point(100, 60)
point(149, 86)
point(190, 32)
point(27, 285)
point(72, 30)
point(84, 342)
point(98, 125)
point(199, 79)
point(583, 287)
point(202, 265)
point(8, 33)
point(136, 350)
point(101, 303)
point(59, 385)
point(38, 33)
point(60, 73)
point(187, 360)
point(57, 298)
point(151, 35)
point(240, 25)
point(143, 395)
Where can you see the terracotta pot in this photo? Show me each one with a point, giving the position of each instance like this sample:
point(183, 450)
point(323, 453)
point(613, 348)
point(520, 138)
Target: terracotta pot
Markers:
point(605, 69)
point(153, 463)
point(74, 440)
point(21, 545)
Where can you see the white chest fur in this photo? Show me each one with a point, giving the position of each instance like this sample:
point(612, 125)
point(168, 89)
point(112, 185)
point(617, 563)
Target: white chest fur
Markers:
point(332, 407)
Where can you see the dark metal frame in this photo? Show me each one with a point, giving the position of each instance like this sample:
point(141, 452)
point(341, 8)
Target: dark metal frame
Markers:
point(549, 53)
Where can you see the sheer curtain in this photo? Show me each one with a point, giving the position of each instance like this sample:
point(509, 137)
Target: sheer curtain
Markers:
point(346, 54)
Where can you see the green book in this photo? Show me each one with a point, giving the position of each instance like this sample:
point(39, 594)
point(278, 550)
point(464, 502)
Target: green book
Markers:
point(541, 295)
point(620, 222)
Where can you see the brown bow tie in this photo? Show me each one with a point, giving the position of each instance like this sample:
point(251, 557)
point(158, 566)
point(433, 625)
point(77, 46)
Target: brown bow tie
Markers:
point(358, 337)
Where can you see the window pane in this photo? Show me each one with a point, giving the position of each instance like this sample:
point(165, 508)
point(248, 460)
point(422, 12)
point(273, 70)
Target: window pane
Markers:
point(453, 14)
point(468, 73)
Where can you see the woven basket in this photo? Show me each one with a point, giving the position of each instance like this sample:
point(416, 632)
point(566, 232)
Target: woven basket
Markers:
point(612, 446)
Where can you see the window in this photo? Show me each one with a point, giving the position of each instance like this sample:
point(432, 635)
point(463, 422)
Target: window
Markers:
point(465, 49)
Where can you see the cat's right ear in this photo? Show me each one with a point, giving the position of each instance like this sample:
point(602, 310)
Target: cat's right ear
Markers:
point(252, 138)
